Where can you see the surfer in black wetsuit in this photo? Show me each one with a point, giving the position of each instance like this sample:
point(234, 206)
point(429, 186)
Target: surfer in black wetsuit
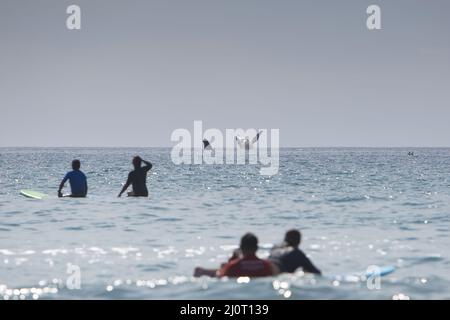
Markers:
point(138, 178)
point(288, 257)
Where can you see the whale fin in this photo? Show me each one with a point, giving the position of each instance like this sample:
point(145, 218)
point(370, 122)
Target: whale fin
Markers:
point(255, 139)
point(206, 145)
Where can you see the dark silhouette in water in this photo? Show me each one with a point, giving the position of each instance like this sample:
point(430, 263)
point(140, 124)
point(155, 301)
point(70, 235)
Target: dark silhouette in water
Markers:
point(284, 258)
point(77, 180)
point(248, 265)
point(288, 257)
point(138, 178)
point(243, 262)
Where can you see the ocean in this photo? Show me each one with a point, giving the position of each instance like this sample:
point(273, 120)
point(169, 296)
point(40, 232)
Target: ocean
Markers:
point(355, 207)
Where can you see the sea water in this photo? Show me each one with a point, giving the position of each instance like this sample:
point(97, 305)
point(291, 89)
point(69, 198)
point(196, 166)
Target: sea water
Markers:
point(356, 207)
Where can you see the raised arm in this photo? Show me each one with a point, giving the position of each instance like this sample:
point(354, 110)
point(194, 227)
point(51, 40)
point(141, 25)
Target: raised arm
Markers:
point(148, 165)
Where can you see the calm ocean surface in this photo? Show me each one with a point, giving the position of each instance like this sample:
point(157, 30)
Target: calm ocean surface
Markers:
point(355, 208)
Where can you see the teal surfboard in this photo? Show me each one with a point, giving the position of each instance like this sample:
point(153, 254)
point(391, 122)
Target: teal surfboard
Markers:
point(33, 194)
point(382, 271)
point(363, 275)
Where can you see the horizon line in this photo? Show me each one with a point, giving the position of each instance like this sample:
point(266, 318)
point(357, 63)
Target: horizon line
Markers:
point(168, 147)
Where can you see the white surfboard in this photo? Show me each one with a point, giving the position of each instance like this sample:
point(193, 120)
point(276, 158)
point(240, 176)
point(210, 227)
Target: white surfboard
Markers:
point(33, 194)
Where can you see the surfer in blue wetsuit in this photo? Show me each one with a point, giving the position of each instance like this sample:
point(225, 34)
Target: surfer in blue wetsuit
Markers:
point(77, 180)
point(138, 178)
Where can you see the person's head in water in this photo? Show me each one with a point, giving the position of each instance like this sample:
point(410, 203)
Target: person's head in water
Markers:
point(76, 164)
point(137, 162)
point(249, 244)
point(293, 238)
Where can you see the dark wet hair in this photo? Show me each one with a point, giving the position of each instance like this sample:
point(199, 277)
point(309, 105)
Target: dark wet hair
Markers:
point(249, 243)
point(76, 164)
point(137, 162)
point(293, 237)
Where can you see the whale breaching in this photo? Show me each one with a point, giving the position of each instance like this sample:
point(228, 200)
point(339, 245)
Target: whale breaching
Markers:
point(246, 143)
point(242, 142)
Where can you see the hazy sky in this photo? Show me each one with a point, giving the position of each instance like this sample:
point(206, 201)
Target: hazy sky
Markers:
point(137, 70)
